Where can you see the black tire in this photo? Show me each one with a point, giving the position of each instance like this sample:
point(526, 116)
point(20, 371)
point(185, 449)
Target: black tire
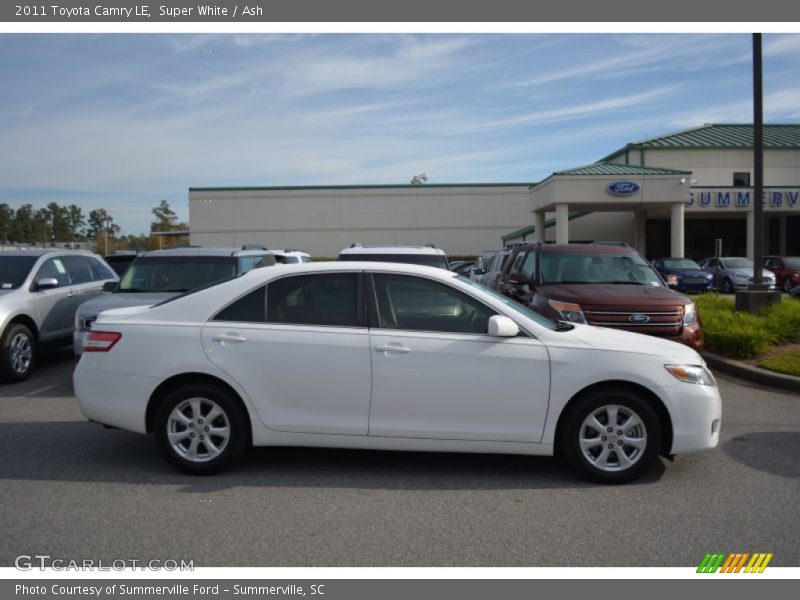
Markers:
point(787, 284)
point(206, 461)
point(727, 286)
point(630, 403)
point(14, 367)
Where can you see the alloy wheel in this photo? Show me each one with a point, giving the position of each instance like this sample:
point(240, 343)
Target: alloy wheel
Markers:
point(198, 429)
point(20, 352)
point(613, 438)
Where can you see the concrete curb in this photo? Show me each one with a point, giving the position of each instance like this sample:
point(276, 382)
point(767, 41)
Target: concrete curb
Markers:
point(750, 373)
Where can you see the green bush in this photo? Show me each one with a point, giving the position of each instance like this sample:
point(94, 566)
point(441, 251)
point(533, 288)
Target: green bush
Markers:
point(788, 362)
point(742, 335)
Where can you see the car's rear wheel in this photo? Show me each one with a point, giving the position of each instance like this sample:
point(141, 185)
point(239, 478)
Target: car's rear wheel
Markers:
point(787, 284)
point(17, 352)
point(610, 436)
point(727, 286)
point(201, 429)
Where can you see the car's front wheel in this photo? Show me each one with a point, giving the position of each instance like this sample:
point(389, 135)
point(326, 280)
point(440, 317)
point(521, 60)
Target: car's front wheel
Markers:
point(610, 436)
point(727, 286)
point(787, 284)
point(201, 429)
point(17, 352)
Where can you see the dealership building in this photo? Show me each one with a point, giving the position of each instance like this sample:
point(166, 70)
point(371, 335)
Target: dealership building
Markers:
point(669, 195)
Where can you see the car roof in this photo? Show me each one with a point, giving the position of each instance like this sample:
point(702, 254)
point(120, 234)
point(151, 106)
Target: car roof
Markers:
point(588, 248)
point(37, 252)
point(350, 266)
point(390, 249)
point(195, 251)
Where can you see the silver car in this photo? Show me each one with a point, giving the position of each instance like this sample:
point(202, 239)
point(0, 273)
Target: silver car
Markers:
point(735, 273)
point(163, 274)
point(40, 291)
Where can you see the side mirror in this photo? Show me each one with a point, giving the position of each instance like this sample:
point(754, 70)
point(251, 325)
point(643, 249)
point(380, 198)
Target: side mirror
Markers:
point(109, 286)
point(500, 326)
point(46, 283)
point(672, 280)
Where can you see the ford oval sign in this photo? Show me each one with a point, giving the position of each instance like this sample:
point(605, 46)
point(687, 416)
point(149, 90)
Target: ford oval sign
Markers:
point(623, 188)
point(639, 319)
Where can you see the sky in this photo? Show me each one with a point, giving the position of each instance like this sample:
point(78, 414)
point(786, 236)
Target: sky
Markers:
point(121, 121)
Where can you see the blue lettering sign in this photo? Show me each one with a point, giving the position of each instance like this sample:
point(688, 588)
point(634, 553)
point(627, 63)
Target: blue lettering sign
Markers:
point(705, 198)
point(793, 198)
point(723, 198)
point(742, 198)
point(623, 188)
point(690, 201)
point(777, 199)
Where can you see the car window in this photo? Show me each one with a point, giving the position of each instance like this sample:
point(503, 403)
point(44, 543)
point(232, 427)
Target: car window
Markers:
point(306, 259)
point(14, 270)
point(248, 263)
point(589, 267)
point(247, 309)
point(175, 273)
point(100, 270)
point(517, 264)
point(78, 269)
point(418, 304)
point(331, 299)
point(54, 267)
point(529, 265)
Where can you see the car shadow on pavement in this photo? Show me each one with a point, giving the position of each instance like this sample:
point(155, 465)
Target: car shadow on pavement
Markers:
point(85, 452)
point(774, 452)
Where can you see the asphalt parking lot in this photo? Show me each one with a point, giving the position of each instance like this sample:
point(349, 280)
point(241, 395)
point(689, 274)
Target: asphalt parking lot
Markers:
point(74, 490)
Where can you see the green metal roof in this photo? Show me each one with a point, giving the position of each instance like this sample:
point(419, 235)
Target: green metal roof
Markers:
point(357, 187)
point(721, 136)
point(547, 225)
point(604, 168)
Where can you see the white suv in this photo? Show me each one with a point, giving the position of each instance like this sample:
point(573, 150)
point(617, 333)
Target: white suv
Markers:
point(40, 291)
point(427, 255)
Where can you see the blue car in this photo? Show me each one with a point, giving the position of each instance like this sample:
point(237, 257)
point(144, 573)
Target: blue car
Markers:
point(684, 275)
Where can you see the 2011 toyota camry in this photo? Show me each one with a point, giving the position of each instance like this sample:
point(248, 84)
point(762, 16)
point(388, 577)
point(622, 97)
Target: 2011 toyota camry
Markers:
point(357, 355)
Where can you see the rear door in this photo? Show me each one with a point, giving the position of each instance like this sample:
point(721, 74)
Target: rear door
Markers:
point(304, 358)
point(424, 331)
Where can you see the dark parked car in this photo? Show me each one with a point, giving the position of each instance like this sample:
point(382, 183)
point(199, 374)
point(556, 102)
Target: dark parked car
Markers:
point(688, 276)
point(120, 261)
point(786, 270)
point(462, 267)
point(599, 284)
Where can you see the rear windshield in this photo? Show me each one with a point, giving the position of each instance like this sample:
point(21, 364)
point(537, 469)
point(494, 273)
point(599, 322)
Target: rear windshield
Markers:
point(14, 270)
point(175, 274)
point(792, 263)
point(427, 260)
point(618, 268)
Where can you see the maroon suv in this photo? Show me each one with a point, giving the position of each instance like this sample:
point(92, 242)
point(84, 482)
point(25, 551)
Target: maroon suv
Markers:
point(604, 285)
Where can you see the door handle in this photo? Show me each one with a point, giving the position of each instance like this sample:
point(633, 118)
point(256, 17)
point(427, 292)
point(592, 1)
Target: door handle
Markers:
point(229, 337)
point(392, 348)
point(72, 294)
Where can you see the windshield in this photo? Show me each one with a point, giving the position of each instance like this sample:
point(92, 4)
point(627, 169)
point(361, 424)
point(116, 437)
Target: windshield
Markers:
point(175, 273)
point(680, 263)
point(427, 260)
point(512, 304)
point(737, 263)
point(620, 268)
point(14, 270)
point(792, 263)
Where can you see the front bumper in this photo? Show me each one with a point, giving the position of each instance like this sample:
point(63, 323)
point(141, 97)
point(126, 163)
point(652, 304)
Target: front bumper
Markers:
point(696, 412)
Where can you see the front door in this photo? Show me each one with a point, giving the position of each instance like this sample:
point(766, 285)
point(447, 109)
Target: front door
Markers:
point(437, 374)
point(56, 306)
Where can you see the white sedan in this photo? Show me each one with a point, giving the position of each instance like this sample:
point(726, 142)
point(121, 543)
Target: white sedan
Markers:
point(357, 355)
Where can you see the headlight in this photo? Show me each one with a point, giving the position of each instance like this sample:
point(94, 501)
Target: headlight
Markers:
point(690, 314)
point(568, 311)
point(692, 374)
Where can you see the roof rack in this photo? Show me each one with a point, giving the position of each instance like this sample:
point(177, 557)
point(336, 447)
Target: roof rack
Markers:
point(254, 247)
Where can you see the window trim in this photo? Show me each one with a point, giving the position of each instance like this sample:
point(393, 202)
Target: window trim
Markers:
point(375, 322)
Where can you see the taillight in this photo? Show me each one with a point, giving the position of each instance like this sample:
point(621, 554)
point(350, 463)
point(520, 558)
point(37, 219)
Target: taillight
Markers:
point(100, 341)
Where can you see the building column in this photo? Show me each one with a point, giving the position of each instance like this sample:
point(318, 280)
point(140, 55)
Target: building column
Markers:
point(562, 223)
point(538, 224)
point(782, 235)
point(676, 229)
point(751, 221)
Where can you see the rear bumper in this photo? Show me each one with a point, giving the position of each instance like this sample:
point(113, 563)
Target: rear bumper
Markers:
point(77, 342)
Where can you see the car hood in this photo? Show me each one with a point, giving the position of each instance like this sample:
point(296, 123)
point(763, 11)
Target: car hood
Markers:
point(689, 272)
point(749, 272)
point(120, 300)
point(615, 340)
point(610, 293)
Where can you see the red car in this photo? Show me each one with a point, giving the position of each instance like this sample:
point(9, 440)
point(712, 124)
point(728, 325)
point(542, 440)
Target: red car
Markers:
point(786, 269)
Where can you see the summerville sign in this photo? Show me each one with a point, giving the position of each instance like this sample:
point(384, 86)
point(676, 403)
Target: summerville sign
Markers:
point(741, 198)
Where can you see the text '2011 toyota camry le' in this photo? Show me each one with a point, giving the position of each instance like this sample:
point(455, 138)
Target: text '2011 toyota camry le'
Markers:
point(215, 371)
